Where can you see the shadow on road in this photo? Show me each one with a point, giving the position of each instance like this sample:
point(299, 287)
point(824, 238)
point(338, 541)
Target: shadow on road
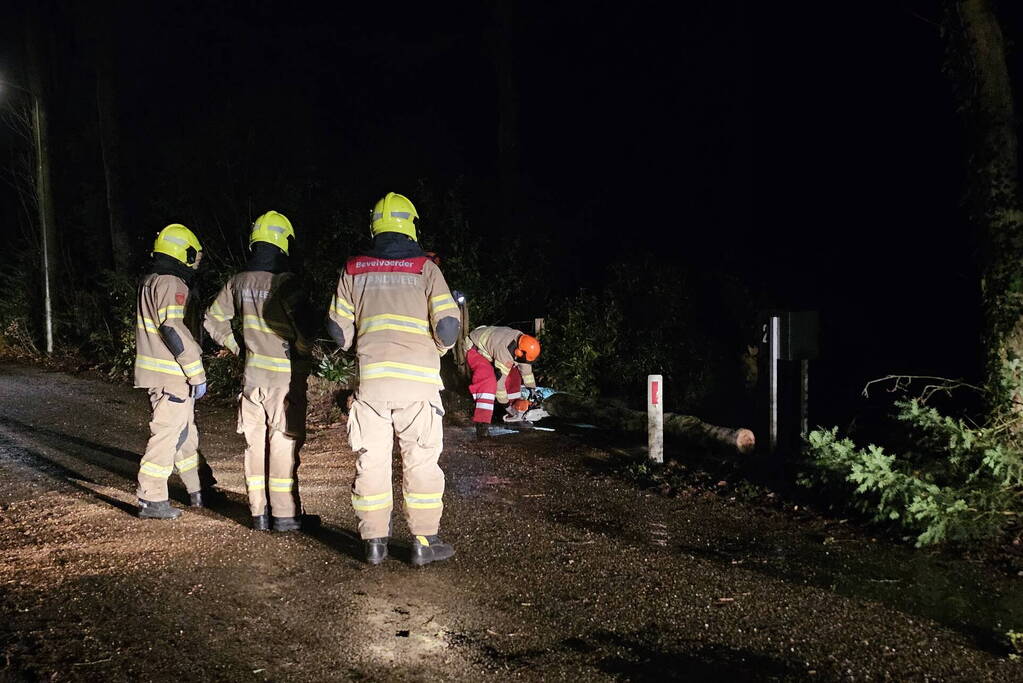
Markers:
point(131, 457)
point(64, 439)
point(341, 541)
point(643, 656)
point(639, 657)
point(222, 503)
point(63, 475)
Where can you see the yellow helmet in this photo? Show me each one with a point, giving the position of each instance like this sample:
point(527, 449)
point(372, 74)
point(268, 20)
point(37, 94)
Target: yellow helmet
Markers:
point(175, 240)
point(274, 228)
point(395, 213)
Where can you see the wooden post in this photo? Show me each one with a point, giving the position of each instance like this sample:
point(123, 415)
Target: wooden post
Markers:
point(655, 417)
point(460, 345)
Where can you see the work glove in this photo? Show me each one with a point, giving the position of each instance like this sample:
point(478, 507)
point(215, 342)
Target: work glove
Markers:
point(198, 391)
point(458, 296)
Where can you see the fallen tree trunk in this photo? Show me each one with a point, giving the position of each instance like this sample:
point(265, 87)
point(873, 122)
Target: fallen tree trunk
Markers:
point(683, 427)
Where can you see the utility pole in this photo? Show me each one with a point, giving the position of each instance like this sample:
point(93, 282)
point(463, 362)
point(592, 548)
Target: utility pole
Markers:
point(46, 222)
point(37, 59)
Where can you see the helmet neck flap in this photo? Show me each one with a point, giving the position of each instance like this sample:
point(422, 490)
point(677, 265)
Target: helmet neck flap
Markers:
point(269, 258)
point(165, 264)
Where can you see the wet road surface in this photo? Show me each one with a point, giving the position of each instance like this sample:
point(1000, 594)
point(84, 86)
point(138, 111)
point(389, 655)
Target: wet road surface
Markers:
point(563, 571)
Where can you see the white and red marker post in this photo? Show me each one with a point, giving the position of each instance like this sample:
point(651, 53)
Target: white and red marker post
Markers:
point(655, 417)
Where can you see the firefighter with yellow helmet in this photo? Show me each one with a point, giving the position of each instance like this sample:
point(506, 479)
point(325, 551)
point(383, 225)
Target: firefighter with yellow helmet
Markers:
point(393, 304)
point(269, 304)
point(168, 363)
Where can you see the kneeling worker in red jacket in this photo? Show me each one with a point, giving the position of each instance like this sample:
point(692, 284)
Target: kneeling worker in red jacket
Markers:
point(508, 352)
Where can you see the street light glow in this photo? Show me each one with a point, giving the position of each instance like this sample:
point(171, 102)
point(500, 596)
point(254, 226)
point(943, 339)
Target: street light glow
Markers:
point(8, 84)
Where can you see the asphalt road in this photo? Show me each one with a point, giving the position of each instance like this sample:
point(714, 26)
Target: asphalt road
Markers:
point(564, 571)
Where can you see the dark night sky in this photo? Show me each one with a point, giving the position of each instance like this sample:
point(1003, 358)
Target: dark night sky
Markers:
point(813, 148)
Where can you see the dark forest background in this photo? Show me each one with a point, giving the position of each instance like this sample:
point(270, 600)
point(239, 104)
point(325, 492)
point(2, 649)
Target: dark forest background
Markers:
point(650, 179)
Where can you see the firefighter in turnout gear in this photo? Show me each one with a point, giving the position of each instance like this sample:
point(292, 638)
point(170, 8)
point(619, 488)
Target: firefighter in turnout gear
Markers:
point(509, 352)
point(168, 362)
point(269, 305)
point(393, 304)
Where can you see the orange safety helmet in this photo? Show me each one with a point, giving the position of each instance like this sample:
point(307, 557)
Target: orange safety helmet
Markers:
point(528, 349)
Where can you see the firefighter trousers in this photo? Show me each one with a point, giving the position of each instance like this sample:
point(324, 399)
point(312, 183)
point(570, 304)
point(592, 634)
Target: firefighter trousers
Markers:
point(273, 422)
point(372, 426)
point(173, 446)
point(485, 386)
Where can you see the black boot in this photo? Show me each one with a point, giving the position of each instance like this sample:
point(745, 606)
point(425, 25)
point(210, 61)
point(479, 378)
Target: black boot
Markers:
point(376, 550)
point(159, 509)
point(426, 549)
point(261, 522)
point(287, 523)
point(195, 500)
point(482, 430)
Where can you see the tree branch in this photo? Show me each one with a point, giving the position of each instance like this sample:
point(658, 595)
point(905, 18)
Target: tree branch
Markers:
point(902, 382)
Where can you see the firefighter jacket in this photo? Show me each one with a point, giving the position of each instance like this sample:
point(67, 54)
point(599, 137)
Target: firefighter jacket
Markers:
point(166, 354)
point(496, 343)
point(267, 305)
point(402, 319)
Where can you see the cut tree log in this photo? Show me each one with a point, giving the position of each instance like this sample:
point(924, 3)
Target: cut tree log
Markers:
point(683, 427)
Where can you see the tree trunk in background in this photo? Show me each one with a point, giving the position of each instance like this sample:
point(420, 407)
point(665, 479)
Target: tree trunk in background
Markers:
point(508, 111)
point(110, 142)
point(685, 428)
point(977, 64)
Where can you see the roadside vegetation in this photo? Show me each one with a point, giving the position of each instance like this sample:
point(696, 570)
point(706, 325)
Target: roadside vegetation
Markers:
point(695, 328)
point(939, 477)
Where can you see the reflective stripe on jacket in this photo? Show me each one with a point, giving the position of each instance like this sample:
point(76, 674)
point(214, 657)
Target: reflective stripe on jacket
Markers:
point(391, 309)
point(264, 304)
point(167, 358)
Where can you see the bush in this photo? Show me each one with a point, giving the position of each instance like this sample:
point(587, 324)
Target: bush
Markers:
point(339, 367)
point(112, 310)
point(653, 318)
point(20, 306)
point(579, 338)
point(954, 482)
point(224, 374)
